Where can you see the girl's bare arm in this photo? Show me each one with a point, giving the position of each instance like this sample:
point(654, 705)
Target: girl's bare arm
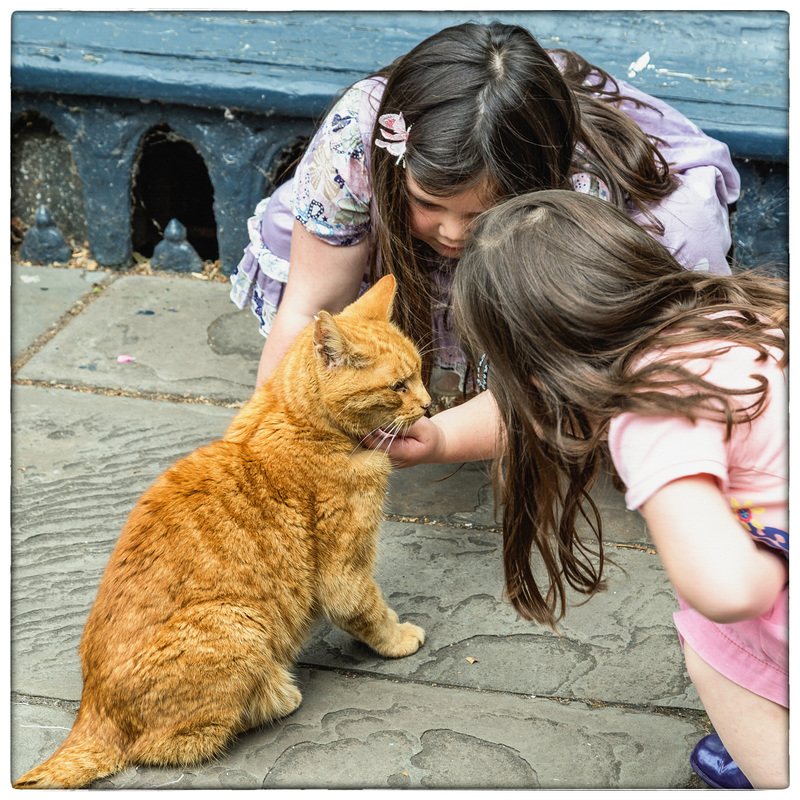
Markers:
point(321, 276)
point(712, 561)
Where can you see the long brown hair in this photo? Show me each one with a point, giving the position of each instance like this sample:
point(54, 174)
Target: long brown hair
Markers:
point(565, 294)
point(489, 107)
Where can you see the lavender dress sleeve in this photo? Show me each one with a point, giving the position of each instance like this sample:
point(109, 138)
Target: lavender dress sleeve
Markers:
point(695, 215)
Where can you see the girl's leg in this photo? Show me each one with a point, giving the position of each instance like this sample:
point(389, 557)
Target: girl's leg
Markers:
point(754, 730)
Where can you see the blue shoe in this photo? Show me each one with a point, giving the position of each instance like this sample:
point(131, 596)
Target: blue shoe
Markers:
point(712, 762)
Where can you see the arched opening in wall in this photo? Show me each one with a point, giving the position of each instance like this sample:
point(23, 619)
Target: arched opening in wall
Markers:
point(285, 164)
point(170, 181)
point(43, 173)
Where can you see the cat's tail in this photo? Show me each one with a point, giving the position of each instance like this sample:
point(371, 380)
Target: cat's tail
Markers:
point(88, 753)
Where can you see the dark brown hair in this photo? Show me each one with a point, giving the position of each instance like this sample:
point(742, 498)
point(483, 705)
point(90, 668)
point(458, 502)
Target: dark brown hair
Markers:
point(565, 294)
point(489, 107)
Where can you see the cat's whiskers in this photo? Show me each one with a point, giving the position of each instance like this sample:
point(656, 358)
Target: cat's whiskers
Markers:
point(393, 430)
point(387, 433)
point(431, 348)
point(365, 437)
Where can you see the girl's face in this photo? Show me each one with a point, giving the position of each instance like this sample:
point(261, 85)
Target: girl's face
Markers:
point(445, 223)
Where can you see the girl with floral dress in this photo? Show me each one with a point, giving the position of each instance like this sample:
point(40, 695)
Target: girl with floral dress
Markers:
point(603, 352)
point(407, 158)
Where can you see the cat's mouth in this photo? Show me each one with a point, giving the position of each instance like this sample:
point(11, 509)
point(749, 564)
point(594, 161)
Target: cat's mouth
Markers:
point(392, 431)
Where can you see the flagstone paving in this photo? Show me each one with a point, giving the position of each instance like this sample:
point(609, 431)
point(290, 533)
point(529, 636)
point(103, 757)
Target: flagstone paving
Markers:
point(489, 701)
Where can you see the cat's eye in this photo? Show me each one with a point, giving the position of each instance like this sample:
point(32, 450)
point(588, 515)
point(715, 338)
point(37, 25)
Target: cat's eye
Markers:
point(400, 387)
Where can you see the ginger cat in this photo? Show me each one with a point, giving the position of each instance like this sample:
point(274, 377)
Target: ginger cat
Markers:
point(229, 557)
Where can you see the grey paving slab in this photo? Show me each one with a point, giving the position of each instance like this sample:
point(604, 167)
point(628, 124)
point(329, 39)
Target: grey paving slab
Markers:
point(488, 701)
point(462, 495)
point(185, 335)
point(444, 493)
point(619, 648)
point(81, 461)
point(358, 732)
point(40, 296)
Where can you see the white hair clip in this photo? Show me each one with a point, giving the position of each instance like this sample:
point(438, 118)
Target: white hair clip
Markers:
point(395, 135)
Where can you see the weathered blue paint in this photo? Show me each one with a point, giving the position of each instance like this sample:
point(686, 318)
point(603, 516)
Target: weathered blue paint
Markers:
point(728, 71)
point(241, 87)
point(104, 135)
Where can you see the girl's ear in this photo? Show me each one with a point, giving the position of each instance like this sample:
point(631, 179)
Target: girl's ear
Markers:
point(331, 346)
point(377, 302)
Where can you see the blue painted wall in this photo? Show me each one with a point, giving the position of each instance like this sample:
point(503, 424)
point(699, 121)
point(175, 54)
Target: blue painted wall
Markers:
point(726, 70)
point(241, 86)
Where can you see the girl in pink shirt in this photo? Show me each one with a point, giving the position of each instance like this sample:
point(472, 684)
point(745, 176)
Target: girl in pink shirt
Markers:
point(600, 351)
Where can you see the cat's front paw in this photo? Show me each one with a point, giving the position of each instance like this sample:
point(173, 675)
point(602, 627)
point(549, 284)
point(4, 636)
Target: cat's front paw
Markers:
point(408, 639)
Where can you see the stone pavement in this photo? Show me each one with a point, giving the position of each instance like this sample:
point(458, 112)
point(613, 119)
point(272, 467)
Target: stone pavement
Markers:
point(489, 701)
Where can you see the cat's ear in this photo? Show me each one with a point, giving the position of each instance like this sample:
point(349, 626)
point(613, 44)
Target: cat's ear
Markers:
point(331, 346)
point(376, 303)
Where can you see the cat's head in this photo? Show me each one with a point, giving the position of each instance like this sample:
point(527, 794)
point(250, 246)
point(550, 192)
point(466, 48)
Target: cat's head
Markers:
point(368, 371)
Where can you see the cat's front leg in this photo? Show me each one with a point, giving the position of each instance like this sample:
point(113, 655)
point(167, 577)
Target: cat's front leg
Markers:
point(355, 604)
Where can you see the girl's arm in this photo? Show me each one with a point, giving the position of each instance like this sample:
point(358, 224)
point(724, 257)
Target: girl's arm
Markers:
point(321, 276)
point(468, 432)
point(712, 561)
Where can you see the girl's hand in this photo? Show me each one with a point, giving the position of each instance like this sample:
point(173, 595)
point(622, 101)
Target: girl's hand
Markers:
point(468, 432)
point(422, 444)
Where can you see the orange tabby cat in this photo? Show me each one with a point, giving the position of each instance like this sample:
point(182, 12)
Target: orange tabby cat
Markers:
point(228, 558)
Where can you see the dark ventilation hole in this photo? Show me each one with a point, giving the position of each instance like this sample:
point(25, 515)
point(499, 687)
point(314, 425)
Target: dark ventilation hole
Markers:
point(171, 181)
point(285, 164)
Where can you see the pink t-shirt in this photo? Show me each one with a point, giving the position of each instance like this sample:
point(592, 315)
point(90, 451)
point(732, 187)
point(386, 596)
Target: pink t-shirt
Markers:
point(751, 468)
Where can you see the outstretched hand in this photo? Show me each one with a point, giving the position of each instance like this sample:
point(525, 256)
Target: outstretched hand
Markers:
point(421, 444)
point(466, 432)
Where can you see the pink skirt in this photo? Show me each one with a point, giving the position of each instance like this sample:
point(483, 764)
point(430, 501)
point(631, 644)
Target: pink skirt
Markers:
point(753, 653)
